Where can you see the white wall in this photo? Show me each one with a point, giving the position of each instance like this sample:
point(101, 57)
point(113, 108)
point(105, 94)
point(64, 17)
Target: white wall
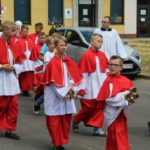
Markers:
point(130, 16)
point(75, 13)
point(99, 12)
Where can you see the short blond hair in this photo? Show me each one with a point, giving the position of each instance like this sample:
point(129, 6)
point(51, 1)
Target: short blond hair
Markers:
point(94, 35)
point(8, 24)
point(58, 38)
point(49, 40)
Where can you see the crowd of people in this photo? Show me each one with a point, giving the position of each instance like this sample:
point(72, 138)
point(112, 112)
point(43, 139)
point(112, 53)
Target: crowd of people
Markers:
point(38, 62)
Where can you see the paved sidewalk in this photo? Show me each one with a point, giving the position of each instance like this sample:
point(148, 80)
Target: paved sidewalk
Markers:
point(137, 39)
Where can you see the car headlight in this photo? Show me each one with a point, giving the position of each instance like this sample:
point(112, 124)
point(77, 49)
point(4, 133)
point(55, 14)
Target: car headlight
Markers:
point(135, 55)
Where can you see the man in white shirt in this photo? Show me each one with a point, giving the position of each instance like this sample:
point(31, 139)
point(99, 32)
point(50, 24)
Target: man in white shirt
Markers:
point(112, 44)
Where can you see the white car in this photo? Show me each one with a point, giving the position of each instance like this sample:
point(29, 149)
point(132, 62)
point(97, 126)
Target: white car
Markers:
point(78, 42)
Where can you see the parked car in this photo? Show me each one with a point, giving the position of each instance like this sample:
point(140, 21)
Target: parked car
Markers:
point(79, 41)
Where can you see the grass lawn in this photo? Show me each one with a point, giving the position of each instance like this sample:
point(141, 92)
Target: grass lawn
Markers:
point(143, 48)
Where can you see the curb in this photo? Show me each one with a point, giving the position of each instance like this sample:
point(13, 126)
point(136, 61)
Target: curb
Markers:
point(143, 76)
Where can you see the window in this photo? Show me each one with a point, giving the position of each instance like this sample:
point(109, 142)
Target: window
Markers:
point(86, 2)
point(87, 34)
point(62, 32)
point(117, 11)
point(55, 11)
point(72, 36)
point(22, 11)
point(143, 2)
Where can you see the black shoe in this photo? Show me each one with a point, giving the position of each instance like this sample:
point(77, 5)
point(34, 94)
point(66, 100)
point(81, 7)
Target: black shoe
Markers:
point(52, 148)
point(148, 126)
point(75, 127)
point(59, 148)
point(36, 108)
point(12, 135)
point(25, 93)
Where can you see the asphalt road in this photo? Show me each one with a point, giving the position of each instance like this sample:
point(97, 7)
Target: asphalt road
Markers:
point(34, 135)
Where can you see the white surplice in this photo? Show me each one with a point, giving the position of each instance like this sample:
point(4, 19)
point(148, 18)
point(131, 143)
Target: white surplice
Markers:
point(48, 56)
point(112, 44)
point(28, 65)
point(114, 106)
point(38, 63)
point(93, 82)
point(54, 101)
point(9, 84)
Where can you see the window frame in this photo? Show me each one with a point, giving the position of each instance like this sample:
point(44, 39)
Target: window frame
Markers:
point(62, 32)
point(122, 12)
point(29, 22)
point(50, 23)
point(71, 36)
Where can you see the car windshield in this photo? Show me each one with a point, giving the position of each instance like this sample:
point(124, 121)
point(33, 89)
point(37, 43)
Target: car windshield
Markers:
point(87, 34)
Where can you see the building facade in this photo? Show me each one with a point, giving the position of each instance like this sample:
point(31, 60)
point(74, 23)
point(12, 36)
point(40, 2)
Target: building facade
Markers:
point(130, 18)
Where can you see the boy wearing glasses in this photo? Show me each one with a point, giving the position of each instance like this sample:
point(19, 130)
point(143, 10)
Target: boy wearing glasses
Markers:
point(117, 95)
point(112, 44)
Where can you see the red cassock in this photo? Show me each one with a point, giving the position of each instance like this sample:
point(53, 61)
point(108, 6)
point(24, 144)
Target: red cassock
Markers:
point(26, 79)
point(34, 57)
point(58, 128)
point(54, 71)
point(15, 38)
point(8, 112)
point(9, 104)
point(21, 44)
point(34, 37)
point(36, 52)
point(117, 138)
point(87, 61)
point(59, 125)
point(92, 112)
point(17, 55)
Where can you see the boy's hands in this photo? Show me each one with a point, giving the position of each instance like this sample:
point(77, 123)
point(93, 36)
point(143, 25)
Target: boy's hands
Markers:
point(132, 96)
point(70, 95)
point(7, 67)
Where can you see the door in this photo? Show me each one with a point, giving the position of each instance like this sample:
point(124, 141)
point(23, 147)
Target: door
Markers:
point(87, 15)
point(143, 18)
